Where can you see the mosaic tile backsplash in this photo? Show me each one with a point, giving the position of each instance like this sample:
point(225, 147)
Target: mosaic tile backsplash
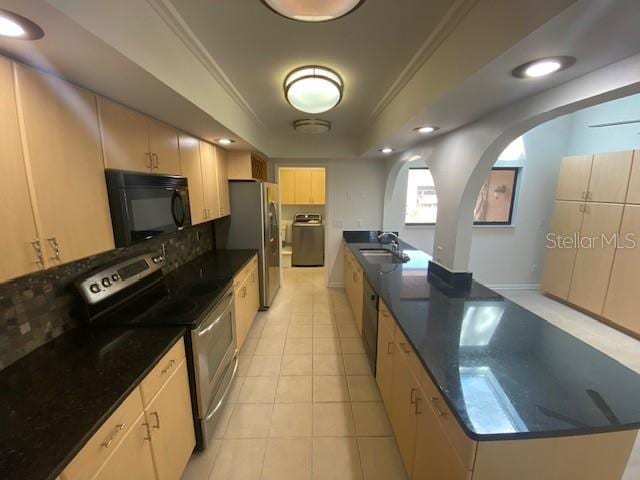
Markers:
point(36, 308)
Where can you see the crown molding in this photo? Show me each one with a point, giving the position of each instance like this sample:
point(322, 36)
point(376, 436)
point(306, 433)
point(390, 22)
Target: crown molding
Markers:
point(449, 22)
point(174, 20)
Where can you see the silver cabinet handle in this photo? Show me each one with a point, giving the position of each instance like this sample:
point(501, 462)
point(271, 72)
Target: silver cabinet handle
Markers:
point(405, 347)
point(583, 195)
point(244, 292)
point(148, 431)
point(56, 249)
point(107, 443)
point(589, 195)
point(156, 161)
point(390, 348)
point(157, 415)
point(149, 161)
point(38, 248)
point(417, 408)
point(413, 396)
point(435, 401)
point(168, 367)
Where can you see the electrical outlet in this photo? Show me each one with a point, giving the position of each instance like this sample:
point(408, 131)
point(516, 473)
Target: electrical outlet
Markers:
point(359, 223)
point(337, 223)
point(534, 268)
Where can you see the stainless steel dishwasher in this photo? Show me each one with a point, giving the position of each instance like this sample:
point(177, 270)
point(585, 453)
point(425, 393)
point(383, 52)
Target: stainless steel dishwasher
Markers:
point(308, 240)
point(370, 323)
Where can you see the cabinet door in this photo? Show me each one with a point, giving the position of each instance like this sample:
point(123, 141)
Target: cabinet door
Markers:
point(171, 424)
point(63, 145)
point(242, 309)
point(132, 458)
point(384, 363)
point(560, 256)
point(254, 291)
point(16, 214)
point(303, 186)
point(573, 180)
point(403, 414)
point(125, 137)
point(623, 302)
point(163, 145)
point(358, 292)
point(222, 169)
point(633, 193)
point(610, 177)
point(318, 186)
point(209, 180)
point(435, 458)
point(287, 186)
point(591, 272)
point(191, 168)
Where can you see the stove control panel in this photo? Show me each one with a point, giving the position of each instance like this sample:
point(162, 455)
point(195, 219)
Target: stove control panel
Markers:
point(101, 284)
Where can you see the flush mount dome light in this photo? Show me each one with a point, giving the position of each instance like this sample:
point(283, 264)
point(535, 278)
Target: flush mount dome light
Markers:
point(312, 126)
point(225, 141)
point(426, 129)
point(313, 11)
point(313, 89)
point(16, 26)
point(543, 67)
point(386, 150)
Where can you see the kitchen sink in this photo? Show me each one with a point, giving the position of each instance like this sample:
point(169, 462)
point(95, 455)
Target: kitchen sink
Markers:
point(380, 256)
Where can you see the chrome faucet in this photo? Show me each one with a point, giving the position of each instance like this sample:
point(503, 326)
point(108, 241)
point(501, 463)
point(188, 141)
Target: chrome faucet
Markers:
point(395, 245)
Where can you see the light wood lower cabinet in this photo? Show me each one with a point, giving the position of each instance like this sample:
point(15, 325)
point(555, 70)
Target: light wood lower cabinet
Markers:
point(246, 300)
point(132, 458)
point(353, 278)
point(171, 424)
point(600, 223)
point(145, 438)
point(62, 150)
point(386, 352)
point(19, 237)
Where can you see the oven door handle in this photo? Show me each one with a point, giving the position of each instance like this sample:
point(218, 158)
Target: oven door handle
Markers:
point(226, 390)
point(215, 322)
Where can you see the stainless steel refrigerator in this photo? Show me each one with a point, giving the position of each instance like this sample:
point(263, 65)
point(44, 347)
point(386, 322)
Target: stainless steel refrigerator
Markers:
point(254, 224)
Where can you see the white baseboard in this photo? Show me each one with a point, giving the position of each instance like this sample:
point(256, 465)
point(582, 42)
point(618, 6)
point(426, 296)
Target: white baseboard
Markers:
point(514, 286)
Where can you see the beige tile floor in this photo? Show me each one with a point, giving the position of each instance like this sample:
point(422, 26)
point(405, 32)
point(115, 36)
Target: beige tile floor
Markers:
point(613, 343)
point(304, 404)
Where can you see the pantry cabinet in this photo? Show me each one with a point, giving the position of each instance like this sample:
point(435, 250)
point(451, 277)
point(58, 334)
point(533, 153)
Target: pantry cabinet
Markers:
point(133, 141)
point(573, 179)
point(246, 299)
point(222, 176)
point(20, 242)
point(633, 192)
point(150, 436)
point(610, 177)
point(302, 186)
point(62, 150)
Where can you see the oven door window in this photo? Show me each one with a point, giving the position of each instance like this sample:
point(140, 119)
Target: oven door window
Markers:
point(153, 211)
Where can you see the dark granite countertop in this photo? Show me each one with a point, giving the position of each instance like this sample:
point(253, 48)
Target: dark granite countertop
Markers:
point(505, 372)
point(54, 399)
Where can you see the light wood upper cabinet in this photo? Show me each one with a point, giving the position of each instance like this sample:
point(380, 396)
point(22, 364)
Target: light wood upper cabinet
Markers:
point(287, 186)
point(318, 186)
point(573, 180)
point(163, 145)
point(302, 178)
point(245, 165)
point(222, 171)
point(560, 257)
point(16, 214)
point(633, 193)
point(171, 423)
point(125, 137)
point(593, 262)
point(210, 181)
point(67, 173)
point(134, 141)
point(610, 177)
point(132, 458)
point(192, 169)
point(623, 302)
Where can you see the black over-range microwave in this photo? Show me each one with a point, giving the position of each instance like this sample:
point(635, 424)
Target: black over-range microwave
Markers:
point(144, 205)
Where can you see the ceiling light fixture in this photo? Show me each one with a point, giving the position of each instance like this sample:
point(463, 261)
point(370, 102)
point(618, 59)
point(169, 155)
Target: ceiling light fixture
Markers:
point(426, 129)
point(543, 67)
point(386, 150)
point(313, 89)
point(312, 126)
point(312, 11)
point(225, 141)
point(18, 27)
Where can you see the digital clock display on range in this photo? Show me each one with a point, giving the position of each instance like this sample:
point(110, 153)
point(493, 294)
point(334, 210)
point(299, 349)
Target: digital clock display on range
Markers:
point(133, 269)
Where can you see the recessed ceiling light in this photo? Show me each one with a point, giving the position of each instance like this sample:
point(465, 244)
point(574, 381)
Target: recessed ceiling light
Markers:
point(386, 150)
point(313, 89)
point(312, 126)
point(16, 26)
point(225, 141)
point(426, 129)
point(543, 67)
point(413, 158)
point(313, 11)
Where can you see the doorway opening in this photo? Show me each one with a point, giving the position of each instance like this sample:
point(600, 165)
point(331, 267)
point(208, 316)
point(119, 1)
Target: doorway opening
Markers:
point(302, 216)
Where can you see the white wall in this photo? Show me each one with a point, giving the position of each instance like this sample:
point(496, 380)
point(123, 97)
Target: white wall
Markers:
point(355, 198)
